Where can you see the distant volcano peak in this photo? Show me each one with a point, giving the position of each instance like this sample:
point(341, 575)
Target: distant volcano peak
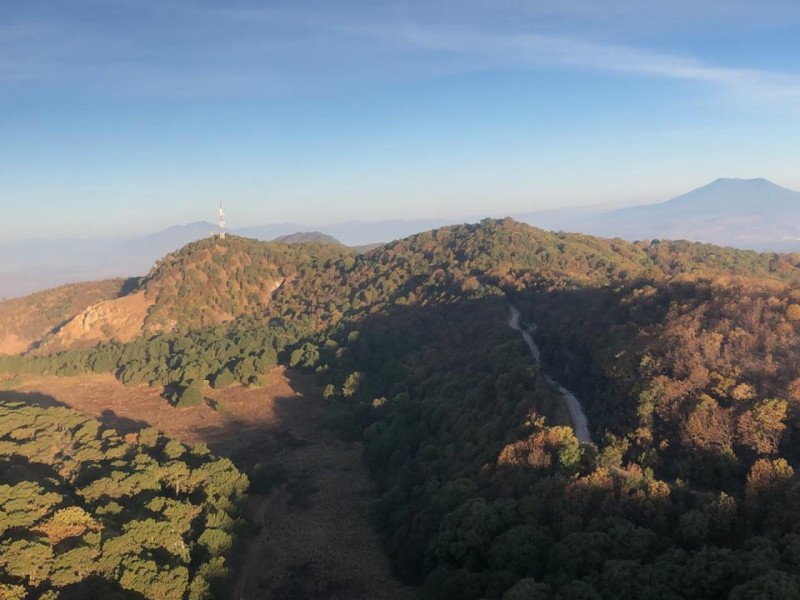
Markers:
point(750, 213)
point(742, 194)
point(740, 181)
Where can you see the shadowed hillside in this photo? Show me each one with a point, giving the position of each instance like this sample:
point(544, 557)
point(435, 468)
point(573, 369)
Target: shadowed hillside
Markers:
point(212, 281)
point(684, 356)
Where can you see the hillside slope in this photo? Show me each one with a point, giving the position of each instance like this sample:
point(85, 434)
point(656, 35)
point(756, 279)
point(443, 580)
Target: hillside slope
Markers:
point(26, 321)
point(204, 284)
point(684, 356)
point(212, 281)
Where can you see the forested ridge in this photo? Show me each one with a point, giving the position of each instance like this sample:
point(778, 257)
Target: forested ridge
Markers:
point(684, 355)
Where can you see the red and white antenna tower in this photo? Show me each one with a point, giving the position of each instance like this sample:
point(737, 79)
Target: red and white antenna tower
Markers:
point(221, 221)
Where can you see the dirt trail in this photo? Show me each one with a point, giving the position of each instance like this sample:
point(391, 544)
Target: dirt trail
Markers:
point(580, 423)
point(314, 541)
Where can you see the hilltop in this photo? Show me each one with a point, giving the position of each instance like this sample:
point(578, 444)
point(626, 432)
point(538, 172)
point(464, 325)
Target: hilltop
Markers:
point(206, 283)
point(683, 356)
point(36, 264)
point(306, 237)
point(742, 213)
point(212, 282)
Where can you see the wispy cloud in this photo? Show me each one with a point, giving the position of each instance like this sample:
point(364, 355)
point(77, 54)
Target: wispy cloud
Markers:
point(246, 49)
point(490, 46)
point(503, 50)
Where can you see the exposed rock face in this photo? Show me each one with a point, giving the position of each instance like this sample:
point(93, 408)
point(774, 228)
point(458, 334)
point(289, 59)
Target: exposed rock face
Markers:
point(121, 319)
point(276, 285)
point(25, 322)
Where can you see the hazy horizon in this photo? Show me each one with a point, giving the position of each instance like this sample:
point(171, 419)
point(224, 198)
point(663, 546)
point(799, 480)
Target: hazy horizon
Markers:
point(126, 117)
point(312, 224)
point(233, 224)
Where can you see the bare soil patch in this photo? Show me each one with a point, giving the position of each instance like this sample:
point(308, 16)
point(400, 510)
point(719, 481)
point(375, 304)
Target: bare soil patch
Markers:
point(121, 318)
point(313, 540)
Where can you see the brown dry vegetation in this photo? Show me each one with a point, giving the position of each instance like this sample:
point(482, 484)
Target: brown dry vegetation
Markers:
point(121, 319)
point(313, 537)
point(24, 321)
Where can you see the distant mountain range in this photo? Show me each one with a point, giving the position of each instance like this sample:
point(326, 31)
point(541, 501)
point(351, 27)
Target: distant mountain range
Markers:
point(753, 214)
point(36, 264)
point(350, 233)
point(745, 213)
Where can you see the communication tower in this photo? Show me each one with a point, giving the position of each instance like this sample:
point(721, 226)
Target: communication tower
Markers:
point(221, 221)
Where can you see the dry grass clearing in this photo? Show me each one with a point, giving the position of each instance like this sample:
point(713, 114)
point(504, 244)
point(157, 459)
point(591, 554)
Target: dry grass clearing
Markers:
point(313, 540)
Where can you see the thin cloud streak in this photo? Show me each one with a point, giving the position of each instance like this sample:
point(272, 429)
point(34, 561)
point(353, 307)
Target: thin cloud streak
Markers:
point(257, 57)
point(537, 50)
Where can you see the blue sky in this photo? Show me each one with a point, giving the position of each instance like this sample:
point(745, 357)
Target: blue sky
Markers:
point(126, 116)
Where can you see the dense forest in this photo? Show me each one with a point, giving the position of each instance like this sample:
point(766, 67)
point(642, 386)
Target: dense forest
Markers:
point(87, 513)
point(684, 355)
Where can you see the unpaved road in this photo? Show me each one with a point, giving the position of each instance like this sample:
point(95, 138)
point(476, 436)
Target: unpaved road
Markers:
point(580, 423)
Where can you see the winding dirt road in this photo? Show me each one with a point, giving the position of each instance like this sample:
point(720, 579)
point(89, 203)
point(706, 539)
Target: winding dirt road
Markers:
point(580, 424)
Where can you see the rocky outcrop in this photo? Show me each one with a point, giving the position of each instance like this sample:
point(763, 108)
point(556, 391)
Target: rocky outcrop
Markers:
point(119, 319)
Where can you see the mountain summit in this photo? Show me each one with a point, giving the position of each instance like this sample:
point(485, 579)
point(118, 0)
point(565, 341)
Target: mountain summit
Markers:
point(739, 194)
point(746, 213)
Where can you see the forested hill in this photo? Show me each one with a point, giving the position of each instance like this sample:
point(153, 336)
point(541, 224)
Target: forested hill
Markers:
point(217, 281)
point(214, 281)
point(307, 237)
point(684, 355)
point(204, 284)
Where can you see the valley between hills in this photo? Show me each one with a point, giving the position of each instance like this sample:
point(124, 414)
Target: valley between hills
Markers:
point(309, 537)
point(270, 420)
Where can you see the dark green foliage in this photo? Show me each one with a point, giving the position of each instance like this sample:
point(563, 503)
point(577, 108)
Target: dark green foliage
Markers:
point(84, 512)
point(528, 589)
point(170, 359)
point(684, 355)
point(189, 395)
point(443, 397)
point(223, 379)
